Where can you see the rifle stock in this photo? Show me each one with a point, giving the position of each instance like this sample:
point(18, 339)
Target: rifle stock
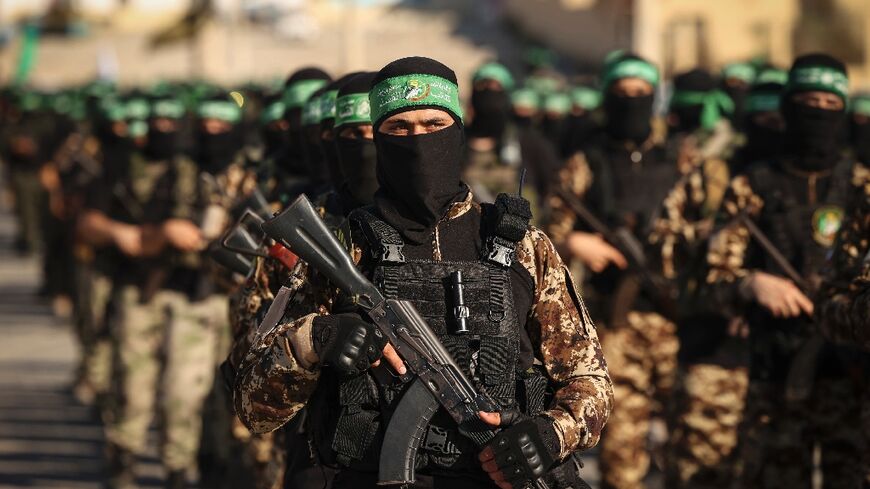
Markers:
point(300, 228)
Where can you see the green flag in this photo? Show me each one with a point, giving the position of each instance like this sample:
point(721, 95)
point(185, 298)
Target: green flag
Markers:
point(27, 54)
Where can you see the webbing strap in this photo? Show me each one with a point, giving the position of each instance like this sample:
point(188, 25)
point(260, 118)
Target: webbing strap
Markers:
point(497, 290)
point(385, 242)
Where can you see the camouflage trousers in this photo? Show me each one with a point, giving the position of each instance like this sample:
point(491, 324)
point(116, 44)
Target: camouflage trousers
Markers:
point(642, 360)
point(93, 292)
point(30, 207)
point(166, 352)
point(780, 437)
point(707, 410)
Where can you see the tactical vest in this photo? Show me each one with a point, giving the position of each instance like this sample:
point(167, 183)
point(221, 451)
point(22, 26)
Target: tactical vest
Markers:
point(628, 188)
point(626, 192)
point(488, 353)
point(801, 217)
point(801, 226)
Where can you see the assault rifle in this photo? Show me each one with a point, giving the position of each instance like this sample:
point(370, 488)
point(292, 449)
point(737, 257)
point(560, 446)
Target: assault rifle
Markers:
point(244, 240)
point(436, 379)
point(663, 293)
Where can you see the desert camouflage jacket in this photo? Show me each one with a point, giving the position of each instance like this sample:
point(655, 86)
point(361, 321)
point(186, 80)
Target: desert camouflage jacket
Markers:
point(280, 372)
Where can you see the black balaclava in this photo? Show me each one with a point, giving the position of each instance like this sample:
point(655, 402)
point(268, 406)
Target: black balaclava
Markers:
point(812, 134)
point(215, 152)
point(689, 116)
point(357, 157)
point(860, 138)
point(762, 142)
point(419, 176)
point(492, 109)
point(738, 95)
point(162, 145)
point(293, 160)
point(327, 146)
point(274, 140)
point(628, 118)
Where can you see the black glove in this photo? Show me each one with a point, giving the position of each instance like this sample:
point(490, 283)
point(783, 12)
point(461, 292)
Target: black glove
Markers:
point(347, 343)
point(526, 451)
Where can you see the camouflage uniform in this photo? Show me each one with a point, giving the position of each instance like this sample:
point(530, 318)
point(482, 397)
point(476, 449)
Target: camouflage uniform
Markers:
point(641, 349)
point(843, 307)
point(712, 377)
point(779, 433)
point(709, 401)
point(160, 326)
point(172, 342)
point(79, 163)
point(185, 334)
point(280, 373)
point(843, 304)
point(263, 455)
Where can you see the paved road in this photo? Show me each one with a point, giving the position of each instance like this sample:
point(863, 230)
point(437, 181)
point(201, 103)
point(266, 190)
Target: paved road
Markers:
point(47, 439)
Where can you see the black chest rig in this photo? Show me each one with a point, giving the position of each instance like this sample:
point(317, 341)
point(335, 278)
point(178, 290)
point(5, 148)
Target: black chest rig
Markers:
point(632, 184)
point(487, 351)
point(801, 213)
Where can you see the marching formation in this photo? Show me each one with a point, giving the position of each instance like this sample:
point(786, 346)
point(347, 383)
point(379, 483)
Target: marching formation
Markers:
point(376, 280)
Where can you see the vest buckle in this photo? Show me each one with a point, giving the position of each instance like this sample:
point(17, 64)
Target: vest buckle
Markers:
point(392, 253)
point(500, 251)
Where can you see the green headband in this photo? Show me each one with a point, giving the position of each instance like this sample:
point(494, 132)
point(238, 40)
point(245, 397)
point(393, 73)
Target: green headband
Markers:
point(821, 78)
point(272, 112)
point(860, 104)
point(526, 98)
point(137, 109)
point(741, 71)
point(311, 111)
point(168, 108)
point(772, 75)
point(414, 90)
point(557, 102)
point(630, 68)
point(298, 93)
point(713, 104)
point(62, 103)
point(223, 110)
point(327, 105)
point(353, 108)
point(542, 84)
point(585, 98)
point(30, 101)
point(497, 72)
point(112, 109)
point(762, 102)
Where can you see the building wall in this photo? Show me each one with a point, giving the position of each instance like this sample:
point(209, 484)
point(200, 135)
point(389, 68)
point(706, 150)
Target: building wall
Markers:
point(680, 34)
point(227, 52)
